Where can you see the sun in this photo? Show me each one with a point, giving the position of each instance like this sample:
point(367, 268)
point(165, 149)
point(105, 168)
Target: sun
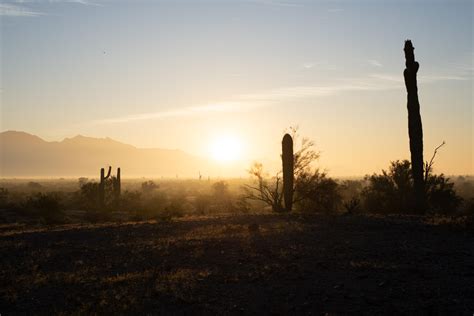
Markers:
point(226, 148)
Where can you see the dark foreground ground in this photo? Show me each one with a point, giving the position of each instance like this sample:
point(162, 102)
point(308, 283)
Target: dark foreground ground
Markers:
point(250, 264)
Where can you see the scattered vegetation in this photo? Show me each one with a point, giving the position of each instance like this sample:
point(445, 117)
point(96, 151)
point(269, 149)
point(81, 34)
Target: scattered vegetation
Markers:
point(312, 190)
point(390, 192)
point(393, 191)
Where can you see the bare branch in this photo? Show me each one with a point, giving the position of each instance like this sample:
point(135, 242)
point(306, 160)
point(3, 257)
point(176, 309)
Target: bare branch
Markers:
point(429, 166)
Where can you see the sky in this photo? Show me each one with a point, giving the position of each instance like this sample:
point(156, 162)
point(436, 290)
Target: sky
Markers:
point(193, 74)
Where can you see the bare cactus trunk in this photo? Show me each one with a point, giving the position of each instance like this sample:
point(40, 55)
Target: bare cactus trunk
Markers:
point(117, 186)
point(415, 130)
point(288, 172)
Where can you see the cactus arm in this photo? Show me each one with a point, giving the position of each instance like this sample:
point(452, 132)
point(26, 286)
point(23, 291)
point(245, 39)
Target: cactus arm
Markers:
point(108, 173)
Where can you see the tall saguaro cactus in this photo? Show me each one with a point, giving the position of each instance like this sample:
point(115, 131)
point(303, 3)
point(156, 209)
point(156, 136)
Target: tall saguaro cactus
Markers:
point(117, 185)
point(288, 170)
point(103, 177)
point(415, 130)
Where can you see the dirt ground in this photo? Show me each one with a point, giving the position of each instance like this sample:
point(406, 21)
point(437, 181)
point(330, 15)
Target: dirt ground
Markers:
point(246, 264)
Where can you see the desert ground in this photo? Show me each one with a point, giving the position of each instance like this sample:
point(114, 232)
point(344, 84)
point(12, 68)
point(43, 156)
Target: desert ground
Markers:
point(240, 264)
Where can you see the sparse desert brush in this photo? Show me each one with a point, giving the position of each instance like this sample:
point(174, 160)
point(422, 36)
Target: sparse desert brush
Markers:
point(202, 204)
point(149, 187)
point(352, 206)
point(393, 191)
point(3, 197)
point(464, 221)
point(46, 206)
point(318, 193)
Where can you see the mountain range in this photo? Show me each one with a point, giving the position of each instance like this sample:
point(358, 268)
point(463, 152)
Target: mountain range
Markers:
point(26, 155)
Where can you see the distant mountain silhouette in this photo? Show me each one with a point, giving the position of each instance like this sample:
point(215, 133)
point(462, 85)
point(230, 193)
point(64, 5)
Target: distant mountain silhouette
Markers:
point(23, 155)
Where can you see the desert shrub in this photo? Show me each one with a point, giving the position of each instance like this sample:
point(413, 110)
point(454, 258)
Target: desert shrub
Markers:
point(352, 206)
point(130, 201)
point(89, 195)
point(464, 187)
point(393, 192)
point(158, 201)
point(3, 197)
point(317, 192)
point(263, 189)
point(242, 205)
point(149, 186)
point(350, 191)
point(222, 196)
point(34, 185)
point(220, 188)
point(82, 181)
point(202, 204)
point(47, 206)
point(142, 207)
point(468, 207)
point(313, 190)
point(177, 206)
point(440, 195)
point(88, 200)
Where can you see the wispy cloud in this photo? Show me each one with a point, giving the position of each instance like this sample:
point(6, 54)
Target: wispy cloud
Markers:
point(320, 65)
point(387, 77)
point(309, 65)
point(374, 63)
point(246, 102)
point(81, 2)
point(277, 3)
point(84, 2)
point(14, 10)
point(251, 101)
point(187, 111)
point(435, 78)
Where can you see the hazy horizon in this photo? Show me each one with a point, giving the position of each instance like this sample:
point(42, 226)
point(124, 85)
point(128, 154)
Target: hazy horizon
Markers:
point(210, 168)
point(223, 80)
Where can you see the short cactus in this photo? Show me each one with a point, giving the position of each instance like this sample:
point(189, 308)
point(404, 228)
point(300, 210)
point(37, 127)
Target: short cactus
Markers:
point(116, 185)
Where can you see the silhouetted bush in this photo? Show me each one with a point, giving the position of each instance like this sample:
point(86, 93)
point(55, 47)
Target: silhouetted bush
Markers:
point(242, 206)
point(176, 208)
point(3, 197)
point(149, 186)
point(202, 204)
point(82, 181)
point(440, 195)
point(34, 185)
point(393, 191)
point(352, 206)
point(468, 207)
point(316, 192)
point(222, 196)
point(312, 189)
point(131, 201)
point(89, 195)
point(46, 206)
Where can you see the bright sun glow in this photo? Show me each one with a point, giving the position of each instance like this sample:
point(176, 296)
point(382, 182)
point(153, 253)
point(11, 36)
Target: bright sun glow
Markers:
point(226, 148)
